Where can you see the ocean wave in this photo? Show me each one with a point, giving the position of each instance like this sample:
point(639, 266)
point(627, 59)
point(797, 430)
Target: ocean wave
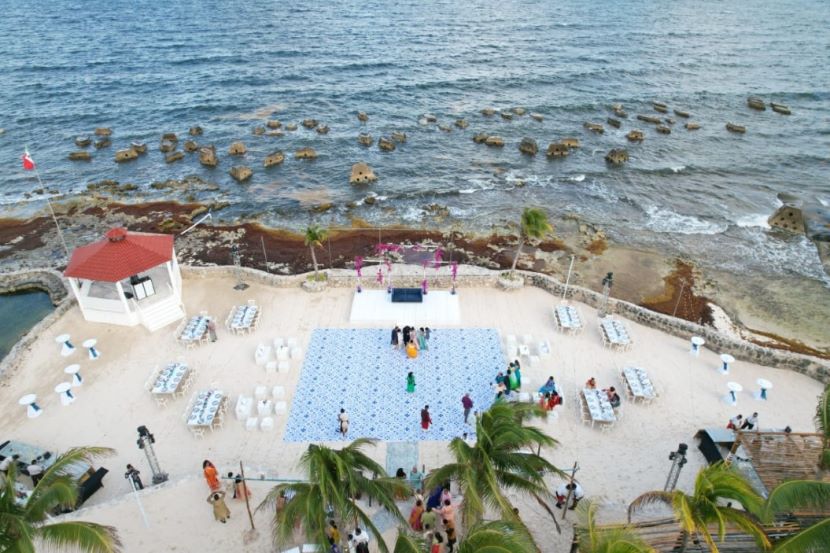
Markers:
point(668, 221)
point(755, 220)
point(677, 168)
point(577, 178)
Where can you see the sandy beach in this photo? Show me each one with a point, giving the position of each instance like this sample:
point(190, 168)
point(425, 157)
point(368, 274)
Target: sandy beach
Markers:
point(614, 466)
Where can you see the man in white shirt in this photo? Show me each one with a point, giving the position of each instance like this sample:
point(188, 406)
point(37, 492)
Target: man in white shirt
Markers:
point(750, 423)
point(7, 462)
point(562, 494)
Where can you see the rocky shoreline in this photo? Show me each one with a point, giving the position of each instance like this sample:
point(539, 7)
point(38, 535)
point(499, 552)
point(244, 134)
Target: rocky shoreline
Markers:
point(664, 285)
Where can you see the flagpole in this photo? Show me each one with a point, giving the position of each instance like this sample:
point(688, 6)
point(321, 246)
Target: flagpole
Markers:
point(51, 209)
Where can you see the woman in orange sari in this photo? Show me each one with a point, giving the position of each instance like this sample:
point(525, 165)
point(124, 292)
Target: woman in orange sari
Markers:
point(211, 475)
point(415, 516)
point(411, 349)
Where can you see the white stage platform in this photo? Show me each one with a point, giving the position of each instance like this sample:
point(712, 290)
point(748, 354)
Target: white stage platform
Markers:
point(375, 306)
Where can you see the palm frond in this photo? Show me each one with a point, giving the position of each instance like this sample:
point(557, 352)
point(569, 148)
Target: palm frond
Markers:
point(407, 542)
point(795, 495)
point(813, 539)
point(647, 499)
point(749, 524)
point(85, 536)
point(62, 492)
point(497, 537)
point(822, 417)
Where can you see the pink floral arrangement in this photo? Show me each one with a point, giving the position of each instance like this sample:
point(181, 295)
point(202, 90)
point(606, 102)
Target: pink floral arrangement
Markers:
point(358, 265)
point(454, 270)
point(379, 276)
point(436, 259)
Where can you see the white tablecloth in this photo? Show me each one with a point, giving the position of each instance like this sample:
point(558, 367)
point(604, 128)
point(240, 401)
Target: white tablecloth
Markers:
point(599, 406)
point(243, 316)
point(205, 407)
point(639, 382)
point(616, 332)
point(568, 317)
point(195, 329)
point(170, 378)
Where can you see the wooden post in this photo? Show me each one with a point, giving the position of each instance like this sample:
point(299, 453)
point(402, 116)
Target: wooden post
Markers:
point(265, 255)
point(247, 503)
point(570, 492)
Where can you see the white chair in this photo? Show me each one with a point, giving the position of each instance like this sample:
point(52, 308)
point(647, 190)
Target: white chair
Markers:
point(534, 360)
point(278, 343)
point(282, 353)
point(278, 392)
point(251, 423)
point(291, 343)
point(198, 431)
point(280, 407)
point(544, 348)
point(271, 367)
point(267, 424)
point(263, 352)
point(296, 353)
point(283, 366)
point(260, 392)
point(263, 407)
point(243, 408)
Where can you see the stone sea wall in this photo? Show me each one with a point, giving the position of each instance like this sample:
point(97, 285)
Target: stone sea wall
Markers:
point(478, 276)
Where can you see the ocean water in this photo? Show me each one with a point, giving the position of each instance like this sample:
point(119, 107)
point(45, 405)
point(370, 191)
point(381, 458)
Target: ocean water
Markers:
point(144, 68)
point(18, 313)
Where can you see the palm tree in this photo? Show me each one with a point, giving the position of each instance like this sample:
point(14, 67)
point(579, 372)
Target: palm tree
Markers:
point(800, 494)
point(24, 524)
point(335, 478)
point(823, 425)
point(615, 539)
point(697, 511)
point(314, 237)
point(502, 458)
point(534, 224)
point(498, 536)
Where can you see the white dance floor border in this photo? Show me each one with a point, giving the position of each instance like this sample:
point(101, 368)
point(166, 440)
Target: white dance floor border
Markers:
point(375, 306)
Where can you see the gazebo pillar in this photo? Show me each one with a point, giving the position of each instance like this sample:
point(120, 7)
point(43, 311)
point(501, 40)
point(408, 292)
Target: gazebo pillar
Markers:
point(77, 291)
point(169, 266)
point(123, 297)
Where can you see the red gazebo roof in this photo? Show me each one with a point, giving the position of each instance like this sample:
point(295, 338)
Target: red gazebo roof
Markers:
point(120, 255)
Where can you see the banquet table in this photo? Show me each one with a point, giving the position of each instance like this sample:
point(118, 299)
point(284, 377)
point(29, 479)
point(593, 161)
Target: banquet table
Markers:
point(195, 330)
point(170, 379)
point(568, 317)
point(598, 406)
point(615, 332)
point(639, 384)
point(244, 317)
point(205, 408)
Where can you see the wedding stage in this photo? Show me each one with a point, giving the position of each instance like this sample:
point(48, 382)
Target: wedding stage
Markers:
point(438, 308)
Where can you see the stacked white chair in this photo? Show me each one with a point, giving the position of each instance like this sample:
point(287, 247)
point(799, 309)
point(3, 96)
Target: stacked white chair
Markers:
point(263, 353)
point(260, 392)
point(271, 367)
point(251, 423)
point(267, 424)
point(296, 353)
point(263, 407)
point(283, 366)
point(243, 407)
point(280, 407)
point(278, 392)
point(278, 343)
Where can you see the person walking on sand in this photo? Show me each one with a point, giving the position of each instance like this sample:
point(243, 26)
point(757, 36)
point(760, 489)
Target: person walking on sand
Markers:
point(422, 340)
point(132, 475)
point(343, 421)
point(240, 488)
point(410, 383)
point(211, 326)
point(220, 509)
point(426, 419)
point(211, 475)
point(467, 403)
point(396, 333)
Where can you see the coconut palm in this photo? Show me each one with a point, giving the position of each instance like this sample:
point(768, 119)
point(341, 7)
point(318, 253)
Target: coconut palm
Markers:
point(334, 481)
point(792, 496)
point(502, 459)
point(499, 536)
point(823, 425)
point(534, 224)
point(697, 511)
point(24, 524)
point(613, 539)
point(314, 237)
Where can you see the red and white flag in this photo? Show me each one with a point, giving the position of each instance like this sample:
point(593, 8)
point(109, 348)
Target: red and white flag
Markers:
point(28, 162)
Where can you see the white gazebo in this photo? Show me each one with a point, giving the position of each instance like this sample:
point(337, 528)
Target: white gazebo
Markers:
point(128, 278)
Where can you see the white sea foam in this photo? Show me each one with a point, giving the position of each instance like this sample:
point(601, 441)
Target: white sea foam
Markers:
point(677, 168)
point(666, 220)
point(468, 190)
point(577, 178)
point(754, 220)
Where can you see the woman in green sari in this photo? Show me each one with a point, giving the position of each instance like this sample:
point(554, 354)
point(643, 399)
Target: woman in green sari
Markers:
point(410, 383)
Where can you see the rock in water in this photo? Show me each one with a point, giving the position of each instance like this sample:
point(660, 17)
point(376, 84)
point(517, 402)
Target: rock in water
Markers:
point(660, 106)
point(139, 147)
point(102, 143)
point(305, 153)
point(617, 156)
point(507, 116)
point(80, 156)
point(480, 138)
point(399, 137)
point(519, 111)
point(125, 155)
point(488, 112)
point(103, 131)
point(650, 119)
point(662, 129)
point(528, 146)
point(173, 156)
point(82, 141)
point(237, 149)
point(273, 124)
point(557, 150)
point(167, 146)
point(171, 136)
point(537, 117)
point(362, 174)
point(362, 117)
point(207, 156)
point(732, 127)
point(495, 141)
point(385, 144)
point(291, 127)
point(692, 126)
point(681, 113)
point(323, 129)
point(570, 142)
point(461, 123)
point(614, 122)
point(190, 146)
point(241, 173)
point(756, 103)
point(258, 131)
point(445, 128)
point(274, 158)
point(635, 136)
point(365, 139)
point(309, 123)
point(594, 127)
point(789, 218)
point(195, 131)
point(780, 108)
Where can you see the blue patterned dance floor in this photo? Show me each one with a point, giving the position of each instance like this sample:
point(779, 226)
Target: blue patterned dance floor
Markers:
point(357, 369)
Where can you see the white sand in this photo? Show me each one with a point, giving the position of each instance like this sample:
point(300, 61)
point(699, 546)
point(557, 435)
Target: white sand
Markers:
point(615, 466)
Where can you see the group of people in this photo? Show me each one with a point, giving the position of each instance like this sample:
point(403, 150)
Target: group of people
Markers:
point(236, 487)
point(433, 515)
point(34, 469)
point(611, 392)
point(411, 339)
point(510, 382)
point(740, 423)
point(550, 397)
